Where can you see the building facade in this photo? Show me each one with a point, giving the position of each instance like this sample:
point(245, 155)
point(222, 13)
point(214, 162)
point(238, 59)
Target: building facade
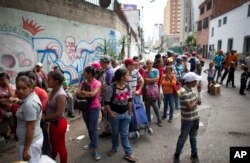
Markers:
point(172, 17)
point(189, 17)
point(211, 9)
point(203, 27)
point(172, 24)
point(230, 31)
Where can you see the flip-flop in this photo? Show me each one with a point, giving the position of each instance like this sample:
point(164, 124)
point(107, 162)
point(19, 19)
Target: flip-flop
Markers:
point(130, 158)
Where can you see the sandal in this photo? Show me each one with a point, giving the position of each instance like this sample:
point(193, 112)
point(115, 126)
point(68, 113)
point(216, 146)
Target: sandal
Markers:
point(111, 152)
point(130, 158)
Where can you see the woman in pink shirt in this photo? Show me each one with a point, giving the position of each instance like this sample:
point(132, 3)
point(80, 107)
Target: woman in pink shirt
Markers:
point(91, 114)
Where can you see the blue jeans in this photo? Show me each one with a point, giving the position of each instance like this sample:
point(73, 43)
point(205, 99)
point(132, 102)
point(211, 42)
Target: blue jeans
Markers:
point(176, 102)
point(188, 128)
point(120, 127)
point(169, 101)
point(218, 70)
point(90, 117)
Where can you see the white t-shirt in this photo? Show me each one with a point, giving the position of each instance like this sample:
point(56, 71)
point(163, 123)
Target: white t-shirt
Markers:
point(30, 110)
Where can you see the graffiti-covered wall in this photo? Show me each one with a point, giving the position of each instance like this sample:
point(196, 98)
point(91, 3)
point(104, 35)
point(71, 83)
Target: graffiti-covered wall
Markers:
point(27, 37)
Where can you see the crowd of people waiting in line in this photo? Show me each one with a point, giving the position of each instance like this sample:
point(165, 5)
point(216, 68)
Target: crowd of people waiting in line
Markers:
point(38, 119)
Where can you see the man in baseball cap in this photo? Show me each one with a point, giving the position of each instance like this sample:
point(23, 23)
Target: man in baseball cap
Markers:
point(39, 64)
point(134, 76)
point(42, 76)
point(130, 61)
point(189, 115)
point(105, 59)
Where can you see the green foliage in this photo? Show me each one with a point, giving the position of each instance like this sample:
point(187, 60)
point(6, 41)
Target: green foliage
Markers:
point(191, 41)
point(123, 41)
point(107, 49)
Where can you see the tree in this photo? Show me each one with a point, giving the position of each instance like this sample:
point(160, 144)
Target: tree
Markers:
point(123, 41)
point(191, 41)
point(106, 46)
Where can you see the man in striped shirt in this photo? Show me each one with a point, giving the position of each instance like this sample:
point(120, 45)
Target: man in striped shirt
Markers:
point(134, 76)
point(189, 116)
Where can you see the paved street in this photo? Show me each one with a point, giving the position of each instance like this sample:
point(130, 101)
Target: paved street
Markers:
point(224, 122)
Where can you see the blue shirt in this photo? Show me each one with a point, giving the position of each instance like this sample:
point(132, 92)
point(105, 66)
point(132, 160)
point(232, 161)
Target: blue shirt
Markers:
point(218, 59)
point(153, 74)
point(179, 71)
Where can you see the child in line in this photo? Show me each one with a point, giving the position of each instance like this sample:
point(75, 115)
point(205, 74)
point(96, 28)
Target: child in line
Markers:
point(231, 70)
point(210, 75)
point(243, 80)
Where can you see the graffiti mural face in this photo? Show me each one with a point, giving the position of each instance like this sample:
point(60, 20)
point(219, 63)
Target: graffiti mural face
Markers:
point(70, 46)
point(16, 54)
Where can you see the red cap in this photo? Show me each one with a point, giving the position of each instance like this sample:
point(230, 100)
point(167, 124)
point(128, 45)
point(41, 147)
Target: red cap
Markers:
point(96, 65)
point(130, 61)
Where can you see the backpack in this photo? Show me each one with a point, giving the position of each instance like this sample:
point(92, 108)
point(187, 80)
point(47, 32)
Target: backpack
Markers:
point(83, 103)
point(192, 64)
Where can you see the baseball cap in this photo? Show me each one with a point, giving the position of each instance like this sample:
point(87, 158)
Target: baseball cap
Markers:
point(179, 58)
point(191, 76)
point(170, 59)
point(96, 65)
point(105, 59)
point(39, 64)
point(193, 53)
point(130, 61)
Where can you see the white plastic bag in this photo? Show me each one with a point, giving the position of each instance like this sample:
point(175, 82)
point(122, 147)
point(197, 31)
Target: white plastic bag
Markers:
point(46, 159)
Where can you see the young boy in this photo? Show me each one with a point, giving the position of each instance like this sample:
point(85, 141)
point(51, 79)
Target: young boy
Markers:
point(231, 70)
point(210, 75)
point(190, 118)
point(243, 80)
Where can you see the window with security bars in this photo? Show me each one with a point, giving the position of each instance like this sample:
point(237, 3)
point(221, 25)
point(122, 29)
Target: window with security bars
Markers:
point(225, 20)
point(209, 5)
point(199, 25)
point(205, 23)
point(248, 13)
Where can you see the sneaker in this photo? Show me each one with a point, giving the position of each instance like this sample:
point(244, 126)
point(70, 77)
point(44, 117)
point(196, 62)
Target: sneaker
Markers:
point(130, 158)
point(170, 120)
point(159, 124)
point(176, 158)
point(164, 116)
point(111, 152)
point(96, 156)
point(71, 115)
point(194, 158)
point(86, 147)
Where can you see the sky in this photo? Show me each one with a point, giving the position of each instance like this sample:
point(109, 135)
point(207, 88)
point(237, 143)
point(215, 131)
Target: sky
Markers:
point(152, 13)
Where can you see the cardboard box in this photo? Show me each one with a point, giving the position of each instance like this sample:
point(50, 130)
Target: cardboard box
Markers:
point(214, 89)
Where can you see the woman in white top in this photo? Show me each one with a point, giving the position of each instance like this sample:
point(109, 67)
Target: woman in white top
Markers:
point(29, 132)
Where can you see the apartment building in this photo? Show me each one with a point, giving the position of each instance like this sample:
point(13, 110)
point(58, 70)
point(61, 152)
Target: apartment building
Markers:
point(230, 31)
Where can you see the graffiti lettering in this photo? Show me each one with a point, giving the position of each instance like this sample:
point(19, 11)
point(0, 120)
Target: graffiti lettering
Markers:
point(17, 30)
